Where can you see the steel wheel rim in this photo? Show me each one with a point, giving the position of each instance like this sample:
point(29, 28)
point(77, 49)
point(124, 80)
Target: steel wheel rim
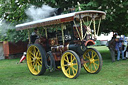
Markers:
point(34, 60)
point(69, 65)
point(93, 61)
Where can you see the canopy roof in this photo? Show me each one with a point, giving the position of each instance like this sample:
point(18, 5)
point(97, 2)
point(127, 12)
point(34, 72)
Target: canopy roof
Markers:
point(61, 19)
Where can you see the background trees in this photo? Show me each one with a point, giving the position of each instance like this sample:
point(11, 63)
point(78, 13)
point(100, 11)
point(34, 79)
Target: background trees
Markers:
point(116, 20)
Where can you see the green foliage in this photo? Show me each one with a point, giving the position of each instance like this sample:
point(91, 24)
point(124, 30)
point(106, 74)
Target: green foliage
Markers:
point(88, 6)
point(116, 16)
point(12, 11)
point(14, 36)
point(116, 19)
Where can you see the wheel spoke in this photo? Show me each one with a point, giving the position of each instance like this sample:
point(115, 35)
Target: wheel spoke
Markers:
point(39, 57)
point(73, 58)
point(39, 64)
point(88, 56)
point(34, 52)
point(30, 62)
point(87, 61)
point(33, 63)
point(35, 67)
point(88, 65)
point(85, 56)
point(94, 56)
point(31, 53)
point(65, 65)
point(74, 68)
point(67, 69)
point(39, 67)
point(34, 49)
point(75, 64)
point(37, 53)
point(31, 58)
point(94, 66)
point(67, 60)
point(96, 59)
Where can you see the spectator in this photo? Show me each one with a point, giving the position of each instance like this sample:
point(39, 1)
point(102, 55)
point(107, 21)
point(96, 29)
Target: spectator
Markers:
point(118, 47)
point(111, 46)
point(124, 44)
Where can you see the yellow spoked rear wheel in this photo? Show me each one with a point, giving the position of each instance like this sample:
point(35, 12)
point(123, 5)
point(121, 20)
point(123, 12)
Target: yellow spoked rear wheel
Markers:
point(70, 64)
point(93, 60)
point(35, 59)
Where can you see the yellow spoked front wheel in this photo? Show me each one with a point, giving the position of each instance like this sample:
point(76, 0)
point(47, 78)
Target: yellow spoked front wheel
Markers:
point(70, 64)
point(35, 59)
point(92, 60)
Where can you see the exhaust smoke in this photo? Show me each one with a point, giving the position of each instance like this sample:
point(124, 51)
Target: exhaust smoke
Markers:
point(37, 13)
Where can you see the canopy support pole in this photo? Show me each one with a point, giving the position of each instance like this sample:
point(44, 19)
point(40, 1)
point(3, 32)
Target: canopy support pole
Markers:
point(90, 23)
point(29, 36)
point(81, 27)
point(98, 26)
point(87, 21)
point(94, 27)
point(46, 34)
point(86, 27)
point(77, 30)
point(62, 29)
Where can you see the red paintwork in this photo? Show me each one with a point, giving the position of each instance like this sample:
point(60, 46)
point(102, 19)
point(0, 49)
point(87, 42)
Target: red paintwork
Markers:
point(89, 42)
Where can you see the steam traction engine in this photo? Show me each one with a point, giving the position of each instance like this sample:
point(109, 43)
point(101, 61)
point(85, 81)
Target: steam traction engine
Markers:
point(64, 43)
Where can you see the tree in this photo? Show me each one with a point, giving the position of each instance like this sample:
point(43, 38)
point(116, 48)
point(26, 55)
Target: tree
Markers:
point(116, 18)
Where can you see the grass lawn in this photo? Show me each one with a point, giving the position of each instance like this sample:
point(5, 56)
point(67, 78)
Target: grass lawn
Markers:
point(115, 73)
